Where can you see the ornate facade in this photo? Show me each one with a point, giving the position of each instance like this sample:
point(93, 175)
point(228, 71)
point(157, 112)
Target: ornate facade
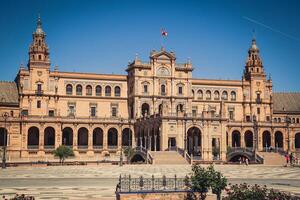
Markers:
point(157, 105)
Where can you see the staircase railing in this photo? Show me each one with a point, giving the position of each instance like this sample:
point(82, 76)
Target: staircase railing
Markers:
point(188, 157)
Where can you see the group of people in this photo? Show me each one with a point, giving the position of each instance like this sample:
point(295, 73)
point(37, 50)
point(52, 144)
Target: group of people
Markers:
point(244, 160)
point(291, 159)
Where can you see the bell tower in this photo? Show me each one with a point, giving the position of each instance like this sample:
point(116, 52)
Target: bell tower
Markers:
point(254, 66)
point(38, 50)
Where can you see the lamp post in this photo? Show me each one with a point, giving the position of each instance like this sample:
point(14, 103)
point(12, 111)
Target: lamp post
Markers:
point(288, 121)
point(255, 127)
point(5, 116)
point(121, 153)
point(185, 145)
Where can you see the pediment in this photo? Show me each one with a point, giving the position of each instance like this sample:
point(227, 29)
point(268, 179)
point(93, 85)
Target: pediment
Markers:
point(163, 55)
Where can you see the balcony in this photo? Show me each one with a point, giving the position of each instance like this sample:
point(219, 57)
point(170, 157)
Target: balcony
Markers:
point(114, 147)
point(82, 147)
point(49, 147)
point(39, 92)
point(33, 147)
point(97, 147)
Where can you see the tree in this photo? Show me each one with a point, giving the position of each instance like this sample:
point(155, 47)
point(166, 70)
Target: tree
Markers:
point(198, 182)
point(128, 151)
point(63, 152)
point(217, 181)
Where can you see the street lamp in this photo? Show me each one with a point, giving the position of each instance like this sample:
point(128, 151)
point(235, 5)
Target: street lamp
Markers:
point(121, 153)
point(5, 116)
point(255, 127)
point(185, 134)
point(288, 121)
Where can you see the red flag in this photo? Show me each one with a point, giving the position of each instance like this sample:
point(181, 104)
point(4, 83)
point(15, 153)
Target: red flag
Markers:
point(164, 33)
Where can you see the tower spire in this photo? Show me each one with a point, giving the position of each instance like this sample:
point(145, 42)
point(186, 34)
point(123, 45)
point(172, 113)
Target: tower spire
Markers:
point(39, 29)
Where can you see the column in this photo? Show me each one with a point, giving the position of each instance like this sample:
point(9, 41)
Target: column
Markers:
point(230, 138)
point(105, 147)
point(90, 139)
point(41, 138)
point(58, 136)
point(243, 140)
point(120, 137)
point(75, 137)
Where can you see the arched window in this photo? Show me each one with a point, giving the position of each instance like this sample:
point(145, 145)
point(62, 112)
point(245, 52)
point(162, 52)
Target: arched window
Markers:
point(224, 95)
point(98, 90)
point(193, 94)
point(163, 89)
point(108, 91)
point(200, 94)
point(208, 94)
point(117, 91)
point(69, 89)
point(145, 109)
point(216, 95)
point(78, 90)
point(88, 90)
point(233, 96)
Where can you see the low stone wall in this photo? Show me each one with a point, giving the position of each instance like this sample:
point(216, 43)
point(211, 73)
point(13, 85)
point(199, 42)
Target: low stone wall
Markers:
point(158, 196)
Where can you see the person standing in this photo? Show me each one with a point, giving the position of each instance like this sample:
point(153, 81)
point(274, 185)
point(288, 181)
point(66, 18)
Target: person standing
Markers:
point(287, 159)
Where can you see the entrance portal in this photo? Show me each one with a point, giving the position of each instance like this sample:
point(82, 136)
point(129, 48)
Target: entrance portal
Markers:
point(172, 144)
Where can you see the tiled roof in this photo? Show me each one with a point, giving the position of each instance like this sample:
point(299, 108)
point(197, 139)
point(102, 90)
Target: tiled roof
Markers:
point(286, 102)
point(8, 93)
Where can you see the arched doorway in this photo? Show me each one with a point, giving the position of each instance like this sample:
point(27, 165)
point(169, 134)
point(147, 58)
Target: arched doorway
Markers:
point(248, 139)
point(194, 141)
point(33, 138)
point(297, 141)
point(98, 138)
point(112, 138)
point(49, 138)
point(145, 109)
point(67, 136)
point(266, 140)
point(126, 137)
point(3, 137)
point(82, 138)
point(278, 139)
point(236, 139)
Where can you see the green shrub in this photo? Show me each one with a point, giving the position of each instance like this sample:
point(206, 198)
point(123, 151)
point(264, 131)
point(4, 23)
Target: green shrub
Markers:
point(63, 152)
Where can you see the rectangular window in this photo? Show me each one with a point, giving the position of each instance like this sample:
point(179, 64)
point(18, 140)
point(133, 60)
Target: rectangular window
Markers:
point(38, 104)
point(39, 87)
point(248, 119)
point(231, 115)
point(268, 118)
point(93, 111)
point(51, 113)
point(258, 111)
point(71, 110)
point(194, 113)
point(114, 111)
point(24, 113)
point(145, 88)
point(180, 90)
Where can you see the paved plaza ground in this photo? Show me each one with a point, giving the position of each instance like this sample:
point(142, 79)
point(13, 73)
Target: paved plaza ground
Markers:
point(99, 181)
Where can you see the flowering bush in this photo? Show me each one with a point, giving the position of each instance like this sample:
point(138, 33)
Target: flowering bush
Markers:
point(247, 192)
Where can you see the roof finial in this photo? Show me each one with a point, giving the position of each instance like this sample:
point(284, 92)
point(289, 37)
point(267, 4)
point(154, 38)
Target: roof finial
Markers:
point(253, 34)
point(39, 29)
point(253, 45)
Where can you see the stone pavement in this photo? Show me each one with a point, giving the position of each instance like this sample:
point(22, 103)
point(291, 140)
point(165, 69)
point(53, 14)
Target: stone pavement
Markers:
point(99, 181)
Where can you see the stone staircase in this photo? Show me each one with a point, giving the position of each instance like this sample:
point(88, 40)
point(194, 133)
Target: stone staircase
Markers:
point(167, 158)
point(273, 158)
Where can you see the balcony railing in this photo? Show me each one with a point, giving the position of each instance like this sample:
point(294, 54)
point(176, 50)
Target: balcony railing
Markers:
point(49, 147)
point(112, 147)
point(98, 147)
point(39, 92)
point(33, 147)
point(82, 147)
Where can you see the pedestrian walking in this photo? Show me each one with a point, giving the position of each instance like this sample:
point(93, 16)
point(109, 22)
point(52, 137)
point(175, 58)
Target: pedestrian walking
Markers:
point(287, 158)
point(247, 161)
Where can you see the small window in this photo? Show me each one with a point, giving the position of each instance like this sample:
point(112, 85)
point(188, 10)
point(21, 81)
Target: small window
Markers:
point(12, 113)
point(216, 95)
point(98, 90)
point(71, 110)
point(224, 95)
point(39, 87)
point(117, 91)
point(114, 111)
point(146, 89)
point(279, 120)
point(208, 95)
point(258, 111)
point(108, 91)
point(78, 90)
point(231, 115)
point(297, 120)
point(248, 118)
point(69, 89)
point(38, 104)
point(180, 92)
point(89, 90)
point(200, 94)
point(40, 57)
point(51, 113)
point(268, 118)
point(194, 112)
point(93, 111)
point(163, 90)
point(24, 113)
point(233, 96)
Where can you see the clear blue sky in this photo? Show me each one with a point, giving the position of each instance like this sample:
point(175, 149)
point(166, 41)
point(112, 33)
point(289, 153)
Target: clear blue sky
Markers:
point(102, 36)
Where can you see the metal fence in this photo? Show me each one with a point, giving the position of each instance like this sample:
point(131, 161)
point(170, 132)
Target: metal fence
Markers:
point(127, 184)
